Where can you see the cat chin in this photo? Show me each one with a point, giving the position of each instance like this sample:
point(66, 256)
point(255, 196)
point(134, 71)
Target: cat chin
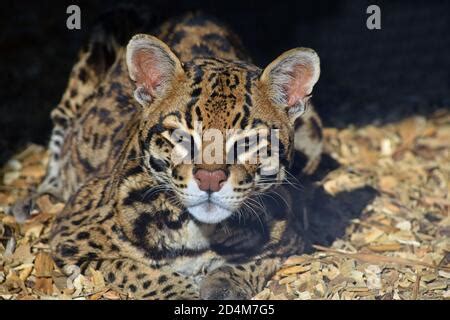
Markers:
point(208, 212)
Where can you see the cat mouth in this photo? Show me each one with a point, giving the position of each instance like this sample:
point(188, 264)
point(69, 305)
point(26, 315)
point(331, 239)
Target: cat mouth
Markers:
point(210, 212)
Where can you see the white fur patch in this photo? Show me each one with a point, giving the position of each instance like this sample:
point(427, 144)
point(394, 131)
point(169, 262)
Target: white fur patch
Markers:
point(209, 210)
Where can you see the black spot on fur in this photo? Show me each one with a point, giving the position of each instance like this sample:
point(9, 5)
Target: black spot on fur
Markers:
point(159, 142)
point(111, 277)
point(98, 264)
point(150, 294)
point(105, 116)
point(166, 289)
point(83, 235)
point(316, 131)
point(94, 245)
point(201, 50)
point(140, 226)
point(107, 217)
point(299, 122)
point(133, 267)
point(177, 37)
point(140, 196)
point(68, 251)
point(132, 288)
point(146, 284)
point(91, 256)
point(156, 164)
point(60, 121)
point(82, 75)
point(162, 279)
point(216, 39)
point(79, 221)
point(170, 295)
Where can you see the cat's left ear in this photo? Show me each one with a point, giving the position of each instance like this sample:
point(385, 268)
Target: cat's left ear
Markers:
point(290, 79)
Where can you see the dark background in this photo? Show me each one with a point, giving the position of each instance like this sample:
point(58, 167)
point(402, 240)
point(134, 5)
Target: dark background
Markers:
point(367, 76)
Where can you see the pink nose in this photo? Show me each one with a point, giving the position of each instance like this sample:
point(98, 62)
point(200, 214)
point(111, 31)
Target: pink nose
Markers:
point(210, 180)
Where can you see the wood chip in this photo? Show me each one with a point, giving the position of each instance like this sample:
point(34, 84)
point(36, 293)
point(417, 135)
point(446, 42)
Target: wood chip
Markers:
point(396, 246)
point(293, 270)
point(383, 247)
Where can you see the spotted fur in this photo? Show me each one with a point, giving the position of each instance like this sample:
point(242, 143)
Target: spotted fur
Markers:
point(130, 211)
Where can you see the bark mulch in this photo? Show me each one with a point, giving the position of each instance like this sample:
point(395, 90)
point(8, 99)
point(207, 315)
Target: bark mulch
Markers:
point(398, 248)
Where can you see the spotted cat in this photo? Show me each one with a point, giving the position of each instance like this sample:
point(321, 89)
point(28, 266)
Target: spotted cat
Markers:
point(161, 230)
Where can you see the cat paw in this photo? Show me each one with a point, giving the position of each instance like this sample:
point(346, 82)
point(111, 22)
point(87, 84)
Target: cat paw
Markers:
point(219, 287)
point(21, 209)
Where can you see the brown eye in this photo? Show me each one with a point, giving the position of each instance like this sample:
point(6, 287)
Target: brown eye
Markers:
point(246, 144)
point(179, 138)
point(178, 135)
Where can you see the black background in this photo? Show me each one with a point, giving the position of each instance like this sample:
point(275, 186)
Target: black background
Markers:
point(367, 76)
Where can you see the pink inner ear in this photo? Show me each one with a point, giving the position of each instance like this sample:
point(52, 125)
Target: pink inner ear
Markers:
point(299, 87)
point(148, 75)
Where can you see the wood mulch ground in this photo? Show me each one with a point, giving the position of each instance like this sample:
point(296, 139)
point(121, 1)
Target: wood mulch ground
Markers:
point(399, 248)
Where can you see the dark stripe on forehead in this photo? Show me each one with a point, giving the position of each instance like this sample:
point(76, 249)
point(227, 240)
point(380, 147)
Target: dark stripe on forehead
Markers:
point(248, 82)
point(248, 100)
point(248, 88)
point(198, 74)
point(244, 121)
point(199, 114)
point(195, 94)
point(257, 121)
point(188, 113)
point(236, 118)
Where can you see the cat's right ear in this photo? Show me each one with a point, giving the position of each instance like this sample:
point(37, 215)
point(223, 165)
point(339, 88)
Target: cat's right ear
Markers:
point(152, 65)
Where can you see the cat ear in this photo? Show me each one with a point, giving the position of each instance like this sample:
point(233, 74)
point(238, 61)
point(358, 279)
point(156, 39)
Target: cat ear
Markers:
point(152, 65)
point(290, 79)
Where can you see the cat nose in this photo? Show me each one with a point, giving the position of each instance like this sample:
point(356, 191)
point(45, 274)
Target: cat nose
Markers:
point(210, 181)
